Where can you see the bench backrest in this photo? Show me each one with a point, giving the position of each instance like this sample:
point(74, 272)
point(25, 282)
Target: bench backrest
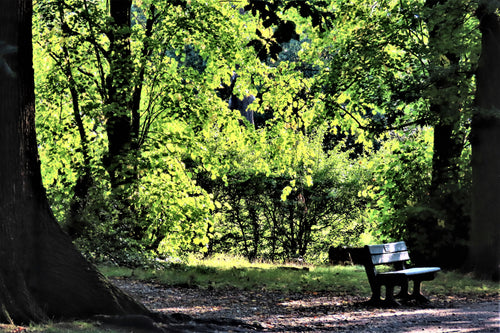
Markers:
point(390, 253)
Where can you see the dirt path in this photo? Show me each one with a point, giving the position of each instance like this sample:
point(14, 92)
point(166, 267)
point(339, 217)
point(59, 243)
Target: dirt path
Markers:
point(319, 312)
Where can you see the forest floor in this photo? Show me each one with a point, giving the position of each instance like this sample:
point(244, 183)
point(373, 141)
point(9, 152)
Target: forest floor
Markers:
point(271, 311)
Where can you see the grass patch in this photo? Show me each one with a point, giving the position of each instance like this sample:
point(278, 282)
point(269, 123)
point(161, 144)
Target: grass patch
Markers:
point(459, 284)
point(236, 272)
point(223, 271)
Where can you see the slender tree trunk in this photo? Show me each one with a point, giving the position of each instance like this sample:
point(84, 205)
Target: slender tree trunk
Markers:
point(118, 102)
point(253, 218)
point(122, 120)
point(445, 102)
point(485, 227)
point(437, 237)
point(75, 224)
point(42, 275)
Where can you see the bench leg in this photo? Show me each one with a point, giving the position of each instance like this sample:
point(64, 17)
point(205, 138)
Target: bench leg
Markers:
point(403, 293)
point(416, 295)
point(389, 300)
point(389, 296)
point(375, 299)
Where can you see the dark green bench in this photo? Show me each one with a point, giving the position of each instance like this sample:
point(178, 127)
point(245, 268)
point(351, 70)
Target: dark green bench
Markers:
point(395, 254)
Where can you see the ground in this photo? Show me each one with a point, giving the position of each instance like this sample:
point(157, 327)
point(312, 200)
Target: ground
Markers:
point(270, 311)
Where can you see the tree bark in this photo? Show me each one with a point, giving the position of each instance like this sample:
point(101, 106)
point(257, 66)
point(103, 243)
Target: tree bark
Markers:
point(436, 238)
point(484, 256)
point(42, 275)
point(118, 102)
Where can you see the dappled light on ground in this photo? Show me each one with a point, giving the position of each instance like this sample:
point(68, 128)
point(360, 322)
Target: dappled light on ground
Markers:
point(318, 311)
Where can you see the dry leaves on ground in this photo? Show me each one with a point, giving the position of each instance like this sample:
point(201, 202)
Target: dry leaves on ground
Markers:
point(271, 311)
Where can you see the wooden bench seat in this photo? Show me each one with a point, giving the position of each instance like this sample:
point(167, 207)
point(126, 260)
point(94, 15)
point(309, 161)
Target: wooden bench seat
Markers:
point(395, 254)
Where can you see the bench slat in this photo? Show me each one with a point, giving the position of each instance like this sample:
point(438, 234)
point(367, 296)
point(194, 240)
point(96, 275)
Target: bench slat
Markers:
point(387, 258)
point(414, 271)
point(387, 248)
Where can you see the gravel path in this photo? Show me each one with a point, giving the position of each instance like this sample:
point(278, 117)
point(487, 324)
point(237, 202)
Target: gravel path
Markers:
point(271, 311)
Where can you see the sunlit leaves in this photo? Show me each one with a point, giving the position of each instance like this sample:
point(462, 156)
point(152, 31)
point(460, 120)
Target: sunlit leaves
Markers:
point(178, 53)
point(174, 218)
point(306, 195)
point(325, 75)
point(402, 174)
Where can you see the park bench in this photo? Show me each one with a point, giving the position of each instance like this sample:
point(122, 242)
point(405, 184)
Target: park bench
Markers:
point(395, 254)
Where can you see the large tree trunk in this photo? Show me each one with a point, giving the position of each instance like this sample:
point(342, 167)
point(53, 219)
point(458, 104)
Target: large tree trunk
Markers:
point(42, 275)
point(485, 226)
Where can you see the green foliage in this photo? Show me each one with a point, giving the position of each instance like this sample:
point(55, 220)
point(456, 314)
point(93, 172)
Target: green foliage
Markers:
point(138, 194)
point(395, 67)
point(402, 174)
point(403, 207)
point(142, 158)
point(293, 206)
point(170, 185)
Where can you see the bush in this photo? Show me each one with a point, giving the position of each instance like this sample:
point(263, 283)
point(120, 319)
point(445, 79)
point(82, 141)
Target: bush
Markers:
point(293, 214)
